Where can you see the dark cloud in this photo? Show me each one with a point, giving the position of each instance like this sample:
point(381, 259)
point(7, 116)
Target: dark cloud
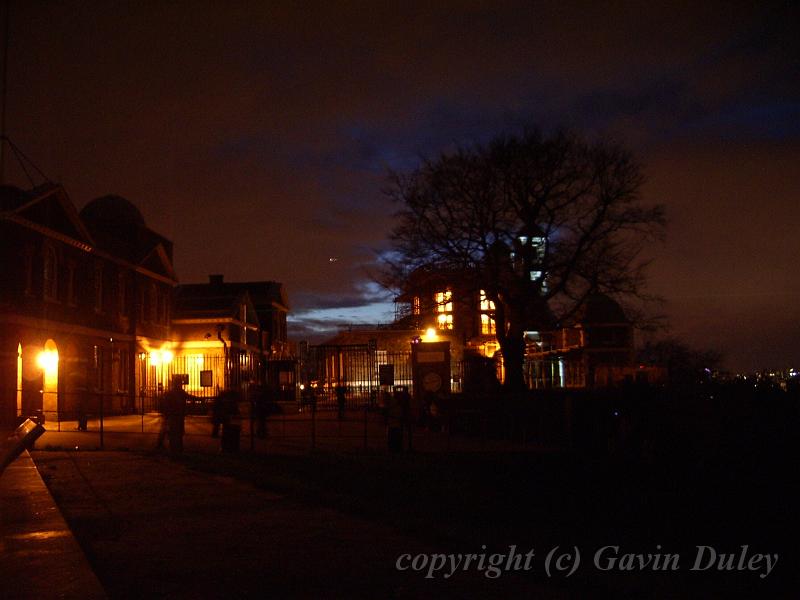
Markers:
point(256, 135)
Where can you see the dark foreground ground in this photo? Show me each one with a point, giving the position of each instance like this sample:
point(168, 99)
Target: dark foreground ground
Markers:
point(334, 524)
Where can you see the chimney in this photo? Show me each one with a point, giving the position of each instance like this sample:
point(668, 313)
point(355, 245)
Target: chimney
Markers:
point(215, 280)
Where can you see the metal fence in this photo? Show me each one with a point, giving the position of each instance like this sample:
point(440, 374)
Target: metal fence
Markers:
point(203, 377)
point(358, 368)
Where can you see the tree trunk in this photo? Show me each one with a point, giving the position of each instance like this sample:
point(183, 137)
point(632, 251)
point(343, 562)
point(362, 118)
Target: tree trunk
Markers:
point(513, 348)
point(512, 345)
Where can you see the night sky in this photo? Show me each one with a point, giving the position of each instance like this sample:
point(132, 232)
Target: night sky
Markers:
point(257, 136)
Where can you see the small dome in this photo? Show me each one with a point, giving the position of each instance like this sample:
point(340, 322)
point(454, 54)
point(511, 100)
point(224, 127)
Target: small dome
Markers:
point(599, 309)
point(112, 209)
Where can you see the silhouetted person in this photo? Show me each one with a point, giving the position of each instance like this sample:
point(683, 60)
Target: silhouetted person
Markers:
point(404, 400)
point(217, 416)
point(340, 400)
point(175, 413)
point(83, 418)
point(230, 410)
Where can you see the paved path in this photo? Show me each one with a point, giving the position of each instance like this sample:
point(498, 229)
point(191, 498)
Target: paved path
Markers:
point(154, 528)
point(288, 433)
point(40, 557)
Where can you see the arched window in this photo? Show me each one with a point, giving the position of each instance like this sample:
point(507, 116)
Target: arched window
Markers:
point(50, 273)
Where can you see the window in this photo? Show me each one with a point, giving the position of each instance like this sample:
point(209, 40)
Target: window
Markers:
point(415, 305)
point(488, 326)
point(160, 301)
point(486, 304)
point(28, 258)
point(165, 307)
point(98, 286)
point(50, 274)
point(152, 308)
point(122, 294)
point(539, 245)
point(123, 371)
point(444, 309)
point(72, 292)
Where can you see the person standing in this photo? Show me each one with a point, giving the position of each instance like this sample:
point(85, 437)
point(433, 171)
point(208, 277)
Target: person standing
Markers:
point(341, 398)
point(175, 413)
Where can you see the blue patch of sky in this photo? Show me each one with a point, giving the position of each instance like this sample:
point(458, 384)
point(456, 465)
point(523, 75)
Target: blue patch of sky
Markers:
point(776, 121)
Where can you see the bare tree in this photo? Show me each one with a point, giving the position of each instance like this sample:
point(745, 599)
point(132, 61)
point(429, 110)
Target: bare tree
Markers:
point(537, 222)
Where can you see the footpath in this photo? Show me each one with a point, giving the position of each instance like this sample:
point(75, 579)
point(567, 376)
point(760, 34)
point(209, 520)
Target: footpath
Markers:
point(140, 524)
point(39, 552)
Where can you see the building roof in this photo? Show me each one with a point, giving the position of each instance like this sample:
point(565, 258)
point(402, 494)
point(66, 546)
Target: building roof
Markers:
point(218, 296)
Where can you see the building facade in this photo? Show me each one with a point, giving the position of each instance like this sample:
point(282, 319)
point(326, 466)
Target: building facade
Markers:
point(92, 319)
point(231, 335)
point(83, 295)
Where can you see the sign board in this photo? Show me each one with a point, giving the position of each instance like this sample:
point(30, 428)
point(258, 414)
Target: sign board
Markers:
point(430, 357)
point(430, 366)
point(386, 374)
point(181, 378)
point(206, 379)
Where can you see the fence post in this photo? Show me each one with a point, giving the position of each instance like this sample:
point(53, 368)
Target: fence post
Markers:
point(313, 424)
point(366, 416)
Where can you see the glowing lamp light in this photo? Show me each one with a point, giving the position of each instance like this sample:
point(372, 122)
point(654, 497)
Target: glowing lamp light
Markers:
point(430, 335)
point(47, 361)
point(161, 357)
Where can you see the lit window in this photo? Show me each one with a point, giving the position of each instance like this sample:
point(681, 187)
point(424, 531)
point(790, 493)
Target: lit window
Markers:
point(444, 301)
point(444, 308)
point(488, 326)
point(415, 305)
point(539, 244)
point(536, 275)
point(486, 304)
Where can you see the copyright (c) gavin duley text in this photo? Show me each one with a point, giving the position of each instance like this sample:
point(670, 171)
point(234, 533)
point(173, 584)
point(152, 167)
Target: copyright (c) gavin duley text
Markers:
point(564, 561)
